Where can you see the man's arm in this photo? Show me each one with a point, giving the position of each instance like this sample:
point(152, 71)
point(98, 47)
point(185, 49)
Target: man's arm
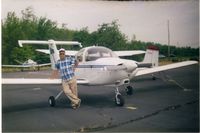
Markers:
point(54, 74)
point(74, 63)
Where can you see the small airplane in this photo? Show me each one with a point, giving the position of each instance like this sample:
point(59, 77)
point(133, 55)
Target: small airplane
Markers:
point(27, 64)
point(101, 66)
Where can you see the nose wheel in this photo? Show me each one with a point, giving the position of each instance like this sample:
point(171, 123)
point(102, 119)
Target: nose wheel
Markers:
point(119, 100)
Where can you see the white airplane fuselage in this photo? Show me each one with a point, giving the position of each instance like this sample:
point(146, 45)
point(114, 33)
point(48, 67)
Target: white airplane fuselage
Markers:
point(106, 71)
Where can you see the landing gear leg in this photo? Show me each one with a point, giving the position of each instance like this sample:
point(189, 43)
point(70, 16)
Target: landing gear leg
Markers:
point(129, 90)
point(153, 77)
point(118, 98)
point(52, 99)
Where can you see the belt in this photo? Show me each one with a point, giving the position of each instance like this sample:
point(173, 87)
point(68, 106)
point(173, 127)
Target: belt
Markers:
point(67, 80)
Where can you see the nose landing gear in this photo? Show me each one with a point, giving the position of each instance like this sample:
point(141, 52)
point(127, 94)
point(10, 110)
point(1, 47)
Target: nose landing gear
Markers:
point(119, 100)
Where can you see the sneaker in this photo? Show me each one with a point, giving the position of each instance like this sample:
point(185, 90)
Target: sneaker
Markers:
point(78, 104)
point(75, 106)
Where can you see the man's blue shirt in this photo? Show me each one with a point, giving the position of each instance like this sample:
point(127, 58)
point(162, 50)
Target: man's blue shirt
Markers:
point(66, 68)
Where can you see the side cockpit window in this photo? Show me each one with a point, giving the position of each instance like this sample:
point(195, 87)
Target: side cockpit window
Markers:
point(92, 55)
point(98, 52)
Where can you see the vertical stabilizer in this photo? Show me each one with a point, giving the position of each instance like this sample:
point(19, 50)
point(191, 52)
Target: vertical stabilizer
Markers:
point(54, 55)
point(151, 56)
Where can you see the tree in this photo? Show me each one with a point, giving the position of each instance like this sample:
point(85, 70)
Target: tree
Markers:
point(109, 35)
point(10, 31)
point(45, 29)
point(22, 54)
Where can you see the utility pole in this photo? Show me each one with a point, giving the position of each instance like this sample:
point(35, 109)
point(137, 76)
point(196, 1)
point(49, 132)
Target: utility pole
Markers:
point(168, 38)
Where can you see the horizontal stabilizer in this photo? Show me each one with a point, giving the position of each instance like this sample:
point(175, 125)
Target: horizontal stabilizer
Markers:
point(144, 65)
point(129, 53)
point(20, 42)
point(67, 52)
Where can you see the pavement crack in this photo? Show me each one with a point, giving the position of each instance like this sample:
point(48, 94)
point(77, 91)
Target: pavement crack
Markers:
point(109, 125)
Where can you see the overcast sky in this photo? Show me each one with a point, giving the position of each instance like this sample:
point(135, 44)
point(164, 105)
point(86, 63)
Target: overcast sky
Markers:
point(147, 20)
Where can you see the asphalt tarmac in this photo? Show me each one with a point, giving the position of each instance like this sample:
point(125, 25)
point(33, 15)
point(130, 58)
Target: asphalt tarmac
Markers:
point(168, 104)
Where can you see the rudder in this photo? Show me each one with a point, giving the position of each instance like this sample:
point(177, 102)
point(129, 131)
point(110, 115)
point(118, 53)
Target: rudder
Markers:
point(151, 56)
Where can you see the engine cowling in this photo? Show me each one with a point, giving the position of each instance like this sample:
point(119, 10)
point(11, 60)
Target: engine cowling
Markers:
point(130, 65)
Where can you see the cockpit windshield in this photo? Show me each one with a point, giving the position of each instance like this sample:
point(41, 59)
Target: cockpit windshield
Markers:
point(98, 52)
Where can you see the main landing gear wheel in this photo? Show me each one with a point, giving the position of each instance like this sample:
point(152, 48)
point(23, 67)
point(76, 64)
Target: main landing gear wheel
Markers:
point(153, 77)
point(119, 100)
point(129, 90)
point(52, 101)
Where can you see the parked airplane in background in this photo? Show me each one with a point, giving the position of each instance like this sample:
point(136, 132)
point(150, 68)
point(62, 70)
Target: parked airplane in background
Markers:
point(28, 64)
point(101, 66)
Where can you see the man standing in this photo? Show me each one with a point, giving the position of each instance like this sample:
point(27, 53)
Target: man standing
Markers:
point(66, 66)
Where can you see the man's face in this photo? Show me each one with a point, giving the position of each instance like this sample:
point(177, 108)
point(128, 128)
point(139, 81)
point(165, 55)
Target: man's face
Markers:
point(62, 55)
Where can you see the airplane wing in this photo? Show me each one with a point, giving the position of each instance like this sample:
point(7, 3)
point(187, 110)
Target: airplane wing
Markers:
point(165, 67)
point(46, 64)
point(19, 66)
point(23, 81)
point(67, 52)
point(26, 66)
point(129, 53)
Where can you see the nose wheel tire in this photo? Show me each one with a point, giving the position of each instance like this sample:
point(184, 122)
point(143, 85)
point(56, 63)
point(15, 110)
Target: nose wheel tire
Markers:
point(52, 101)
point(119, 100)
point(129, 90)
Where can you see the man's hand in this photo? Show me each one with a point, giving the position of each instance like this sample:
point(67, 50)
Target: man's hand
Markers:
point(54, 74)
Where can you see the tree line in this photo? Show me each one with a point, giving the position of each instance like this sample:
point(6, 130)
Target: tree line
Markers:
point(30, 27)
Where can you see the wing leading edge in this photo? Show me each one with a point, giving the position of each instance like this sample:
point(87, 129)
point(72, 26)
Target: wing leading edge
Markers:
point(37, 81)
point(19, 66)
point(165, 67)
point(26, 66)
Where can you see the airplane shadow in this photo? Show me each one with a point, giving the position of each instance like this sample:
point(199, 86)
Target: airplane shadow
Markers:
point(96, 101)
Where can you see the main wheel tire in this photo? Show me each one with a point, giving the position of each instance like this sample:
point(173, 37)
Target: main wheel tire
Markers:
point(129, 90)
point(52, 101)
point(119, 100)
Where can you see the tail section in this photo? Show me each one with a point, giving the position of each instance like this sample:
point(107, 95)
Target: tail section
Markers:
point(151, 56)
point(54, 55)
